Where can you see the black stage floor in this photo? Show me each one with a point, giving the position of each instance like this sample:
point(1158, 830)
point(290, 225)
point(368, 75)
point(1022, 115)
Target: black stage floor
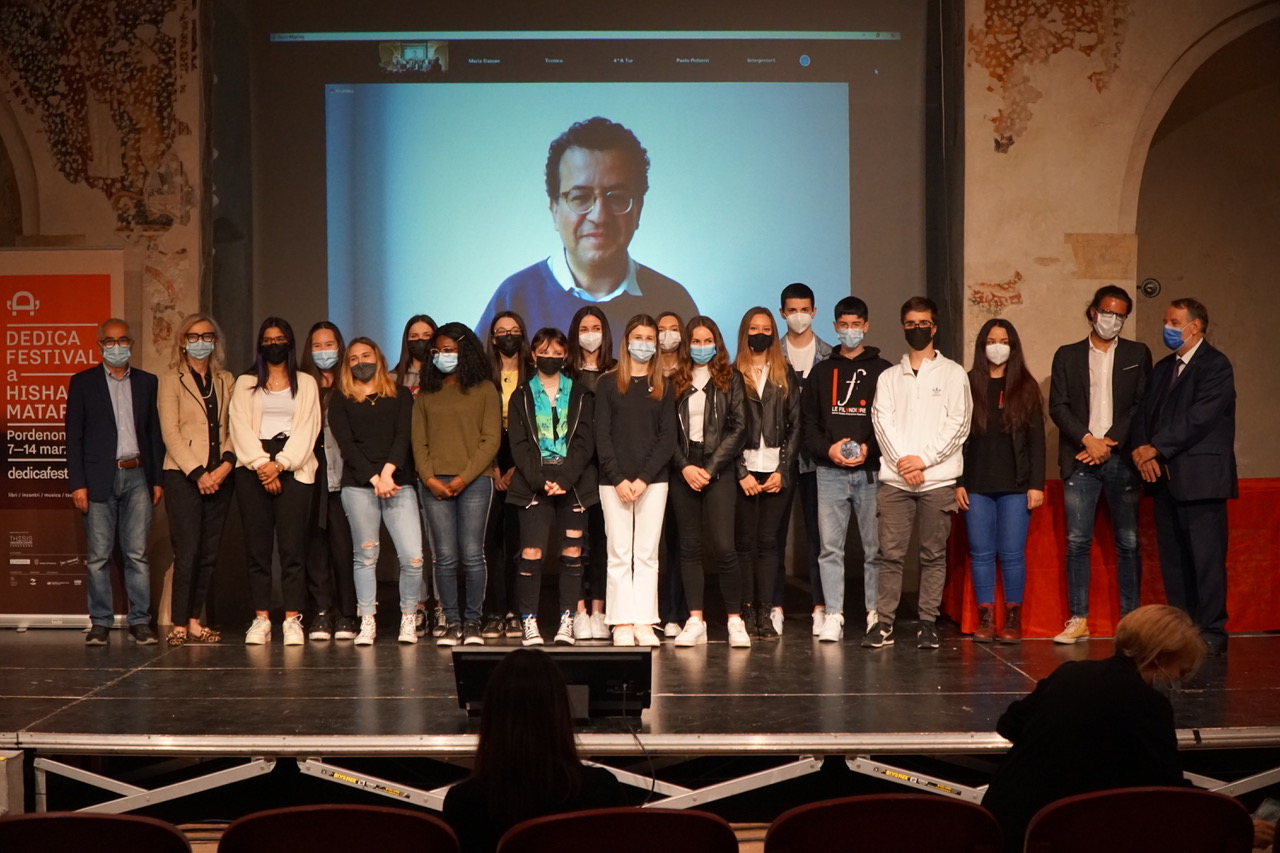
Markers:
point(790, 696)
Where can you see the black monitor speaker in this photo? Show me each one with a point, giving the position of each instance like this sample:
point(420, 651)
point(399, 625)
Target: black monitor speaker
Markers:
point(603, 682)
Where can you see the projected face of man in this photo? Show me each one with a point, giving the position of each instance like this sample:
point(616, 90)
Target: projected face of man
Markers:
point(596, 242)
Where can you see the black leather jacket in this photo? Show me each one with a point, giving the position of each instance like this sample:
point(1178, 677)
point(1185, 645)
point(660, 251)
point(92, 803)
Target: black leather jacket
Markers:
point(578, 474)
point(778, 418)
point(723, 427)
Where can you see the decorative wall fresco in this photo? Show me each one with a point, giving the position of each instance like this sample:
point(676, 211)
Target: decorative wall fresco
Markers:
point(1017, 35)
point(992, 297)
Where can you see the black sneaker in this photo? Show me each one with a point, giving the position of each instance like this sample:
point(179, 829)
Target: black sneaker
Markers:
point(452, 635)
point(321, 627)
point(99, 635)
point(512, 626)
point(471, 634)
point(927, 636)
point(346, 628)
point(142, 635)
point(492, 628)
point(748, 614)
point(764, 623)
point(880, 634)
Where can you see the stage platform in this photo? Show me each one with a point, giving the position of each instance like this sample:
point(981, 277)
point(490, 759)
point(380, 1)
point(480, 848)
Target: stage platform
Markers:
point(792, 697)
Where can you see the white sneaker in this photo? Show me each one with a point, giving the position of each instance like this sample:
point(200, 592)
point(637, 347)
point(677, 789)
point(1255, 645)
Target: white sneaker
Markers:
point(738, 636)
point(564, 634)
point(671, 630)
point(529, 634)
point(409, 627)
point(872, 618)
point(819, 619)
point(832, 628)
point(623, 635)
point(368, 630)
point(645, 636)
point(259, 632)
point(599, 628)
point(582, 626)
point(292, 630)
point(775, 617)
point(694, 634)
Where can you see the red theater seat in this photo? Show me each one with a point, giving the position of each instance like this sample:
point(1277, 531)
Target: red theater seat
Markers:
point(90, 831)
point(880, 822)
point(339, 827)
point(623, 830)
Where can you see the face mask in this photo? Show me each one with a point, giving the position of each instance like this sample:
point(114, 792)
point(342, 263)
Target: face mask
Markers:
point(668, 340)
point(275, 353)
point(702, 353)
point(117, 356)
point(200, 350)
point(508, 344)
point(641, 351)
point(1107, 326)
point(445, 362)
point(324, 359)
point(759, 342)
point(850, 338)
point(997, 353)
point(550, 365)
point(1173, 338)
point(363, 371)
point(799, 322)
point(918, 339)
point(418, 349)
point(590, 341)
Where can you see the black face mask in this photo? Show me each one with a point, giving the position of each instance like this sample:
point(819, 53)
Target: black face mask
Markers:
point(919, 338)
point(418, 350)
point(363, 371)
point(275, 353)
point(759, 342)
point(550, 366)
point(508, 345)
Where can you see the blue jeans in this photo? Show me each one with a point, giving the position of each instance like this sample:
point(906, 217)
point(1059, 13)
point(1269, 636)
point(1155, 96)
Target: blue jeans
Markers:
point(839, 490)
point(1080, 499)
point(366, 512)
point(126, 515)
point(457, 534)
point(997, 524)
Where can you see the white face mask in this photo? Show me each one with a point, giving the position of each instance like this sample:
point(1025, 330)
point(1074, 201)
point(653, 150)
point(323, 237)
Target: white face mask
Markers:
point(590, 341)
point(997, 353)
point(669, 340)
point(1108, 326)
point(799, 322)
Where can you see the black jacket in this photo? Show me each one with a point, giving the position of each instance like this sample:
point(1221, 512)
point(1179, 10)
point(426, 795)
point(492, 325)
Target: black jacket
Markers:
point(578, 473)
point(1069, 397)
point(723, 427)
point(91, 430)
point(777, 417)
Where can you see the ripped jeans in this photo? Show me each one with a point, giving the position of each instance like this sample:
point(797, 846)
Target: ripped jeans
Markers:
point(366, 512)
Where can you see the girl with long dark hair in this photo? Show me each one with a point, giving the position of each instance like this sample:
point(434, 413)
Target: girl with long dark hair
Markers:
point(635, 438)
point(275, 417)
point(372, 419)
point(766, 469)
point(457, 425)
point(330, 585)
point(673, 347)
point(550, 428)
point(1003, 474)
point(526, 762)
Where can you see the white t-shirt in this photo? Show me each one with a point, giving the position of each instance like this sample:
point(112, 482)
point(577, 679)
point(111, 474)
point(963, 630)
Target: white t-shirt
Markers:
point(801, 358)
point(698, 402)
point(277, 413)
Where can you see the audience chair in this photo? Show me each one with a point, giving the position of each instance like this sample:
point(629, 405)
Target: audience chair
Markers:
point(879, 822)
point(59, 831)
point(1168, 820)
point(623, 830)
point(339, 827)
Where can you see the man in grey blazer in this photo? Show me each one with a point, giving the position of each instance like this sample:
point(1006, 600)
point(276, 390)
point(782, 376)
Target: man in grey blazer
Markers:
point(1096, 390)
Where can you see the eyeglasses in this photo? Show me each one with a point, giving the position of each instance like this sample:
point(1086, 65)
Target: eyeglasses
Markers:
point(207, 337)
point(281, 339)
point(116, 342)
point(444, 350)
point(1102, 312)
point(507, 333)
point(582, 201)
point(918, 324)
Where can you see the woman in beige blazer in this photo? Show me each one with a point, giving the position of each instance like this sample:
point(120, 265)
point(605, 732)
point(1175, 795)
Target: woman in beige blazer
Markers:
point(194, 399)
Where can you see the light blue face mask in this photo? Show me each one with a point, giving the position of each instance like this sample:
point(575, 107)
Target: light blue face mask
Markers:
point(117, 356)
point(702, 353)
point(445, 362)
point(642, 351)
point(850, 338)
point(1173, 338)
point(324, 359)
point(200, 350)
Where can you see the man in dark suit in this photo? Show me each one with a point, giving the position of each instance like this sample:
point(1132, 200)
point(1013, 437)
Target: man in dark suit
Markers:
point(1184, 442)
point(114, 459)
point(1096, 390)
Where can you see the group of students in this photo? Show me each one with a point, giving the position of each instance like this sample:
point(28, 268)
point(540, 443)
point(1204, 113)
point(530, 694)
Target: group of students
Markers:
point(480, 454)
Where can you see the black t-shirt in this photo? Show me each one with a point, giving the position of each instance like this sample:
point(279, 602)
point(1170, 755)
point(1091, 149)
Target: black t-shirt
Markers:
point(989, 464)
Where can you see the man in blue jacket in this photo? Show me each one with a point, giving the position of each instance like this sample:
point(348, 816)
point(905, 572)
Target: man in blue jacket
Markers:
point(114, 458)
